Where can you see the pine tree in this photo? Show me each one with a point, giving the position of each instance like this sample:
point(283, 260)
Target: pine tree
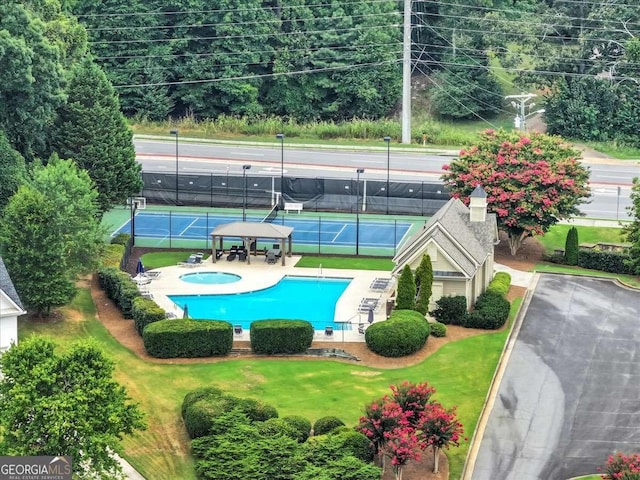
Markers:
point(92, 131)
point(571, 249)
point(406, 290)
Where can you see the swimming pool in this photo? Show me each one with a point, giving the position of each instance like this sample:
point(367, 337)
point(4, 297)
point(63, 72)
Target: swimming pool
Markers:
point(292, 298)
point(210, 278)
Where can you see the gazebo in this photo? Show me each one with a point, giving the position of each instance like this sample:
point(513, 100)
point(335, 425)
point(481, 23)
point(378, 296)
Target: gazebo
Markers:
point(251, 232)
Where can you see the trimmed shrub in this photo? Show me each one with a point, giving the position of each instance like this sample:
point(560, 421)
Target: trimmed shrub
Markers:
point(256, 410)
point(357, 444)
point(500, 283)
point(438, 329)
point(326, 424)
point(571, 247)
point(404, 333)
point(451, 310)
point(188, 338)
point(406, 297)
point(108, 280)
point(112, 256)
point(281, 336)
point(199, 416)
point(145, 311)
point(490, 312)
point(424, 279)
point(277, 426)
point(302, 426)
point(120, 288)
point(198, 394)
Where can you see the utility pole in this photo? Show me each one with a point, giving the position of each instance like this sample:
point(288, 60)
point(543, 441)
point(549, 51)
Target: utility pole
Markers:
point(406, 75)
point(520, 103)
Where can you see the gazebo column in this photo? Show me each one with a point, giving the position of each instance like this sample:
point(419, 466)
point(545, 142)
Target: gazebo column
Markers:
point(213, 248)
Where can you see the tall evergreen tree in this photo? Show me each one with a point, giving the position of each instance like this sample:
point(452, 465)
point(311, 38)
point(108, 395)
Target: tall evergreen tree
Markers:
point(425, 275)
point(92, 131)
point(406, 298)
point(571, 247)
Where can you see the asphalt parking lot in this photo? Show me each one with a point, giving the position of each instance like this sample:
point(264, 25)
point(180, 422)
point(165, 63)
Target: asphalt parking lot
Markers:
point(570, 394)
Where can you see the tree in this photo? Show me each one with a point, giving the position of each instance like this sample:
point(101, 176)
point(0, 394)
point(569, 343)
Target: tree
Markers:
point(413, 399)
point(622, 467)
point(424, 277)
point(13, 171)
point(92, 131)
point(532, 181)
point(50, 233)
point(406, 290)
point(64, 404)
point(401, 446)
point(632, 230)
point(571, 247)
point(439, 428)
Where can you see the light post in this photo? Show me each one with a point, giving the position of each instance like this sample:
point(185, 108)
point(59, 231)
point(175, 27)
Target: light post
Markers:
point(175, 132)
point(280, 136)
point(388, 140)
point(358, 172)
point(244, 191)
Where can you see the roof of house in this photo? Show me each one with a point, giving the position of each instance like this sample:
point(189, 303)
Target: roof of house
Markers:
point(466, 243)
point(252, 230)
point(6, 285)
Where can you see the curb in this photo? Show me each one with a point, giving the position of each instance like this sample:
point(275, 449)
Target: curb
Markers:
point(472, 456)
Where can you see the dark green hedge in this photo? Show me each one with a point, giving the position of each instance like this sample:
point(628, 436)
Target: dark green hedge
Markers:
point(281, 336)
point(604, 261)
point(146, 311)
point(120, 288)
point(198, 394)
point(188, 338)
point(404, 333)
point(490, 312)
point(451, 310)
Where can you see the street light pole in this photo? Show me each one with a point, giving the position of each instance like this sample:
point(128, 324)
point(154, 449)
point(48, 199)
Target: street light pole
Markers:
point(175, 132)
point(280, 136)
point(358, 172)
point(244, 191)
point(388, 140)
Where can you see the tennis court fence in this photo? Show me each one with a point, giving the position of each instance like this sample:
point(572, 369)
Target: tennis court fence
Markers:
point(315, 194)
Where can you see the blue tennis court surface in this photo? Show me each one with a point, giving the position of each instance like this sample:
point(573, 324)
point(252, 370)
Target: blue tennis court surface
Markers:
point(309, 231)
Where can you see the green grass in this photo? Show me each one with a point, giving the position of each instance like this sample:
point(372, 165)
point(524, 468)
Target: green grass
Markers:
point(556, 236)
point(163, 259)
point(346, 263)
point(461, 372)
point(616, 151)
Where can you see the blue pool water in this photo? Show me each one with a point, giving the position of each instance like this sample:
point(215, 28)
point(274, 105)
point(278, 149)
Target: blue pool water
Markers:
point(292, 298)
point(210, 278)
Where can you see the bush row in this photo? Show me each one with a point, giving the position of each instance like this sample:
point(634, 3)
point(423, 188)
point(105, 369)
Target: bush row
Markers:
point(611, 262)
point(404, 333)
point(500, 283)
point(281, 336)
point(490, 312)
point(187, 338)
point(120, 288)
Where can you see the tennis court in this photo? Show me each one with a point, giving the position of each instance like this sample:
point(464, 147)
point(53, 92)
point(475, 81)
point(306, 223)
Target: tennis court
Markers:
point(322, 234)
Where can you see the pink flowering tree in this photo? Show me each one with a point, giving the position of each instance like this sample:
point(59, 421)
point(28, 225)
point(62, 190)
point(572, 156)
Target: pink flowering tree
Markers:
point(439, 428)
point(412, 398)
point(532, 181)
point(622, 467)
point(401, 445)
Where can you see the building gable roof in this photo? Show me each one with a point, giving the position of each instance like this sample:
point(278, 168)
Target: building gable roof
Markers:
point(467, 243)
point(6, 285)
point(252, 230)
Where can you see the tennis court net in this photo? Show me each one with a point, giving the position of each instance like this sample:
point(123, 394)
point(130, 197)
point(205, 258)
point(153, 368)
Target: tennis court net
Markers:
point(271, 216)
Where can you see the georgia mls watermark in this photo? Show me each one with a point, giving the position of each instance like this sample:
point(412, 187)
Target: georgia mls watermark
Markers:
point(35, 468)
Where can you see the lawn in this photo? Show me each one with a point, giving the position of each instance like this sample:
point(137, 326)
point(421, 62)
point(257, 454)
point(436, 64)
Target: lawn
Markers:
point(461, 372)
point(556, 236)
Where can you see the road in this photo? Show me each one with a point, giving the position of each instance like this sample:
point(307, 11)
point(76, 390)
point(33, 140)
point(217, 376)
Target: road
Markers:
point(610, 180)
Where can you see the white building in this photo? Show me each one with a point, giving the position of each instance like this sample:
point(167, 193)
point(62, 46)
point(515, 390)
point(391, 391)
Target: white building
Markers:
point(10, 309)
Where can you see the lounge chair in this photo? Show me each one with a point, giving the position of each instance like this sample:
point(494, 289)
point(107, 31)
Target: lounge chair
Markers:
point(171, 315)
point(242, 256)
point(141, 279)
point(237, 329)
point(192, 261)
point(380, 284)
point(152, 274)
point(219, 254)
point(361, 329)
point(328, 331)
point(367, 304)
point(271, 257)
point(199, 257)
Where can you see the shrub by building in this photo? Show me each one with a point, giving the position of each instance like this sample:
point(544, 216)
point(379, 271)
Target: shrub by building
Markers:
point(404, 333)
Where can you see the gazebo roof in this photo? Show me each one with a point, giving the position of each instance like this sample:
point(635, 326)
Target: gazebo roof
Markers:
point(252, 230)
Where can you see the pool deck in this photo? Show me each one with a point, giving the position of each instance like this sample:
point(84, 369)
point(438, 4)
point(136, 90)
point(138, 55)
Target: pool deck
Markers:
point(259, 275)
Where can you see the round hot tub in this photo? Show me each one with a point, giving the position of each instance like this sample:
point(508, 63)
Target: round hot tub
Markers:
point(210, 278)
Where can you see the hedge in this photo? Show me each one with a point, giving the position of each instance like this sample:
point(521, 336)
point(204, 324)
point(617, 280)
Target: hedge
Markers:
point(604, 261)
point(145, 311)
point(302, 426)
point(500, 283)
point(404, 333)
point(490, 312)
point(281, 336)
point(451, 310)
point(198, 394)
point(120, 288)
point(112, 256)
point(188, 338)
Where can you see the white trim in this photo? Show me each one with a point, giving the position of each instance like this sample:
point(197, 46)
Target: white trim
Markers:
point(9, 308)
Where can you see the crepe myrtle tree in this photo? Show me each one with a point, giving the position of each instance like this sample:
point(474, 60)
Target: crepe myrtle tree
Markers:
point(532, 181)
